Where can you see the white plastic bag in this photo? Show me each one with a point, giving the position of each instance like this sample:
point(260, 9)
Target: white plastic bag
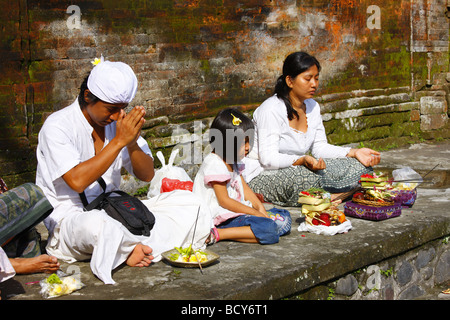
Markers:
point(167, 171)
point(407, 174)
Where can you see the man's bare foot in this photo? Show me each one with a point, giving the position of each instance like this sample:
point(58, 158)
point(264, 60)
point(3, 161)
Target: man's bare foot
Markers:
point(42, 263)
point(140, 257)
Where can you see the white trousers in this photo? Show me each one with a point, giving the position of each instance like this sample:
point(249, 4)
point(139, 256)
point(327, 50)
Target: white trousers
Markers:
point(107, 243)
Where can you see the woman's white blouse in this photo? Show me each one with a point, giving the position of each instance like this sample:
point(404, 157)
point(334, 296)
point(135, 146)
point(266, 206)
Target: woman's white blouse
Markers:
point(277, 145)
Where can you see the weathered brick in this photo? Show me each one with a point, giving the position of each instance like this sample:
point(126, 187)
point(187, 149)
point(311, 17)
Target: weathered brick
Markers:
point(433, 121)
point(433, 105)
point(415, 115)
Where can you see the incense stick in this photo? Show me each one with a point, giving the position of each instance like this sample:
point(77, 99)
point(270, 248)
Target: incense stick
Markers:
point(192, 242)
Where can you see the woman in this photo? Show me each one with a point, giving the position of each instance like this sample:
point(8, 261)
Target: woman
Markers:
point(92, 138)
point(289, 126)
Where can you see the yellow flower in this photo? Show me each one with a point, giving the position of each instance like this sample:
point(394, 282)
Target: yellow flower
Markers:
point(97, 61)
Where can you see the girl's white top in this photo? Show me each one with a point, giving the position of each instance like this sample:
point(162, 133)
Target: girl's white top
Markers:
point(213, 169)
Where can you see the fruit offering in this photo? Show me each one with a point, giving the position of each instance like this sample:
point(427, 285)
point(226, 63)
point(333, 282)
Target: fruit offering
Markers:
point(327, 218)
point(318, 208)
point(189, 255)
point(373, 195)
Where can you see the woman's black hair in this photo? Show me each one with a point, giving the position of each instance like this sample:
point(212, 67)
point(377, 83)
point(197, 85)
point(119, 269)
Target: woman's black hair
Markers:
point(229, 131)
point(294, 64)
point(92, 98)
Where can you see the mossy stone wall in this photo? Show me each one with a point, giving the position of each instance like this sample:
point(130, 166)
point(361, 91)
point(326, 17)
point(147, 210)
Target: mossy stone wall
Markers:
point(384, 80)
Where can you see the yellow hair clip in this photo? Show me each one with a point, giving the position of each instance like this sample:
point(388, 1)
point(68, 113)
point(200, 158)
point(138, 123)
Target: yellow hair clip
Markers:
point(236, 121)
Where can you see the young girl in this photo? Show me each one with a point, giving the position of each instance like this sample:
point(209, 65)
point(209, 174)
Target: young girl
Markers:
point(237, 212)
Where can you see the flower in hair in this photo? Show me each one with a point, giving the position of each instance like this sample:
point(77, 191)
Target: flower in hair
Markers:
point(97, 61)
point(236, 121)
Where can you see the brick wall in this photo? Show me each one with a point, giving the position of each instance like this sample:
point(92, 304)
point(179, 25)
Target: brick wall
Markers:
point(384, 82)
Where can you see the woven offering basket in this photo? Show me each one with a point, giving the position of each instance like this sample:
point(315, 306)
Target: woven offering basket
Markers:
point(376, 213)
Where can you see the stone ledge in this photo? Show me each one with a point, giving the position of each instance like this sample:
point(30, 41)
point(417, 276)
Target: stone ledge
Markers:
point(299, 262)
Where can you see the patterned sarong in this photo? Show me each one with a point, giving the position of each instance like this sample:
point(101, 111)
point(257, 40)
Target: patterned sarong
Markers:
point(282, 187)
point(21, 209)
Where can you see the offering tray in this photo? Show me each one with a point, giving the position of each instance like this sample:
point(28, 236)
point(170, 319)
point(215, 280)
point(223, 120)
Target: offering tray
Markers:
point(375, 213)
point(211, 256)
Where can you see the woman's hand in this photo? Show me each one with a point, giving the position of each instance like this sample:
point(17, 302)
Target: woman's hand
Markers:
point(366, 156)
point(311, 163)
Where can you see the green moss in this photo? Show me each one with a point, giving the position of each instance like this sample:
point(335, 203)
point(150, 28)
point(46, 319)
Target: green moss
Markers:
point(205, 66)
point(39, 70)
point(384, 63)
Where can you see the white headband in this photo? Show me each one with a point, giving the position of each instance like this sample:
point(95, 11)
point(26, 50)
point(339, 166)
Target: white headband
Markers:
point(113, 82)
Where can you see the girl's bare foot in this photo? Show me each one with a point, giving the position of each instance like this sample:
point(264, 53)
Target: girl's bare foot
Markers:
point(140, 257)
point(42, 263)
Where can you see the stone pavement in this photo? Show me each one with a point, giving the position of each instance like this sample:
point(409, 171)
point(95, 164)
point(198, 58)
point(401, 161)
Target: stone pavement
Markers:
point(298, 262)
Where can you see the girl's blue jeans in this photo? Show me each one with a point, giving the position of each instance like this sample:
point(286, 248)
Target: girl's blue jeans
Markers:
point(266, 230)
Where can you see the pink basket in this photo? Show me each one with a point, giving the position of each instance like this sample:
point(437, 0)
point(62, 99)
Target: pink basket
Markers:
point(357, 210)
